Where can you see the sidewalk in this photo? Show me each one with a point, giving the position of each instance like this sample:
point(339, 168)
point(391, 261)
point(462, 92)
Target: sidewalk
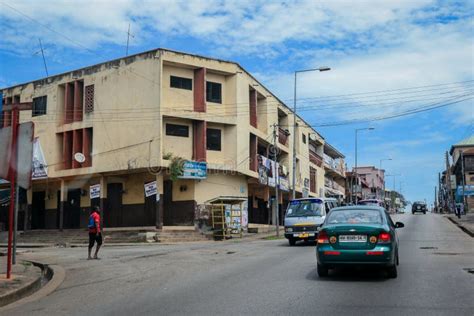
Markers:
point(466, 222)
point(26, 278)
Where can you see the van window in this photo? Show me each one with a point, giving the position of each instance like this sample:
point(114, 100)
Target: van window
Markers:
point(305, 208)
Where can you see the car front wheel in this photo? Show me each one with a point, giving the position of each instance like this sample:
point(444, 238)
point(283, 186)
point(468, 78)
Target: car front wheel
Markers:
point(322, 271)
point(292, 241)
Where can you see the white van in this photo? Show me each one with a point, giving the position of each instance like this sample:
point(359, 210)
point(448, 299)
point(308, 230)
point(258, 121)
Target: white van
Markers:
point(303, 218)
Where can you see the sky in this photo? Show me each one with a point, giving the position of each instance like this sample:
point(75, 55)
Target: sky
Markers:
point(386, 58)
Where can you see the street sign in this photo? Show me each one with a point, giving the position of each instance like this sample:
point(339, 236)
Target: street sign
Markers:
point(25, 154)
point(94, 191)
point(5, 153)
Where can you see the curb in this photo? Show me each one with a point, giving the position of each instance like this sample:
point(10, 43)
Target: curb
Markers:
point(53, 275)
point(464, 229)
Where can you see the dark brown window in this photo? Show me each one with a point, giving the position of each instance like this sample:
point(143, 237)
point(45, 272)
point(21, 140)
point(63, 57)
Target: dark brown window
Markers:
point(181, 83)
point(39, 106)
point(213, 92)
point(89, 99)
point(177, 130)
point(213, 139)
point(304, 138)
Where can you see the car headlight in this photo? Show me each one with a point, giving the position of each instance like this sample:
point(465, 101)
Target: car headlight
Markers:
point(289, 229)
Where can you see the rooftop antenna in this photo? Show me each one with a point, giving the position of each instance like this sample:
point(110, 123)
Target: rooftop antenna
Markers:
point(42, 54)
point(128, 38)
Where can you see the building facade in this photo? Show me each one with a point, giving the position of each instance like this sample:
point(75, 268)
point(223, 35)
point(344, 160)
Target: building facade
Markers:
point(151, 137)
point(462, 170)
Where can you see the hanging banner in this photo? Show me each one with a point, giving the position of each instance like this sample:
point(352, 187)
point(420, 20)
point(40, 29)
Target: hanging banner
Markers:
point(94, 191)
point(40, 168)
point(150, 188)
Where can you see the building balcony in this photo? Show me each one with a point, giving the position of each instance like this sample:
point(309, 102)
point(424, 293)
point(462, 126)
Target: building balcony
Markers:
point(315, 158)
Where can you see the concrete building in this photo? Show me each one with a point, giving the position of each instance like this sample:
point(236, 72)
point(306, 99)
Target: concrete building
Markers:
point(375, 180)
point(462, 169)
point(335, 171)
point(108, 133)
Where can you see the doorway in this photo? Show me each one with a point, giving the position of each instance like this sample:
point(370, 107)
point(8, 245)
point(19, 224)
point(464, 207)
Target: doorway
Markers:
point(38, 210)
point(167, 202)
point(72, 209)
point(113, 214)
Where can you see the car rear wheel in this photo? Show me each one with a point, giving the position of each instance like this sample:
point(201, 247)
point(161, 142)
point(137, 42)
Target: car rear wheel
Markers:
point(392, 272)
point(323, 271)
point(292, 241)
point(424, 212)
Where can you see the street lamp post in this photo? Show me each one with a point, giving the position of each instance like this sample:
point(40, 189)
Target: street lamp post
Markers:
point(380, 168)
point(355, 170)
point(320, 69)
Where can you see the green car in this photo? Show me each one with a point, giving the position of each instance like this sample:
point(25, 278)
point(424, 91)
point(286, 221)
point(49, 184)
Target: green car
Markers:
point(358, 235)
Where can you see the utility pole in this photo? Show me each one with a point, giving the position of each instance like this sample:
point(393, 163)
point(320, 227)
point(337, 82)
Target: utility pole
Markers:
point(463, 182)
point(320, 69)
point(436, 200)
point(277, 180)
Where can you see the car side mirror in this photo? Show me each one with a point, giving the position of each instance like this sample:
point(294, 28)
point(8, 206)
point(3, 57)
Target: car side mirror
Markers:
point(399, 225)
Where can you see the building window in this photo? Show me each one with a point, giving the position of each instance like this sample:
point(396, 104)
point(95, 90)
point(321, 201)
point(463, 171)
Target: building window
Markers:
point(39, 106)
point(181, 83)
point(177, 130)
point(304, 138)
point(213, 92)
point(89, 99)
point(213, 139)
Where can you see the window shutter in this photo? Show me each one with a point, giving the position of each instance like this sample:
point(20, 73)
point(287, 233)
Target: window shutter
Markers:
point(89, 99)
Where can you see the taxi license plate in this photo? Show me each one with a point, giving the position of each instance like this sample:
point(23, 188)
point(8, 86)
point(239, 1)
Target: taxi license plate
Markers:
point(353, 238)
point(303, 235)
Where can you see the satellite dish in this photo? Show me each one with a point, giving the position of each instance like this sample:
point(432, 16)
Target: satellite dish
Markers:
point(79, 157)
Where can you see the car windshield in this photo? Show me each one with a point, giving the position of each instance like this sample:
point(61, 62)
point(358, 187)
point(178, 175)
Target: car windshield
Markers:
point(355, 216)
point(305, 208)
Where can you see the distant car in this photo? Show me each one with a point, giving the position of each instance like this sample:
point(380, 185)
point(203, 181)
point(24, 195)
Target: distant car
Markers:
point(358, 235)
point(419, 207)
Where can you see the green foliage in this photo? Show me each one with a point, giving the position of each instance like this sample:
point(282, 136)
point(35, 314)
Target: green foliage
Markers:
point(167, 156)
point(176, 167)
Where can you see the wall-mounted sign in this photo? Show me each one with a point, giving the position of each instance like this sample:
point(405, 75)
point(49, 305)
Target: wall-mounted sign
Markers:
point(194, 170)
point(40, 168)
point(94, 191)
point(79, 157)
point(151, 188)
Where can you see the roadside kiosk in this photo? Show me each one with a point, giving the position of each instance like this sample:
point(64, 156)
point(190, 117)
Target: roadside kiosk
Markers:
point(226, 216)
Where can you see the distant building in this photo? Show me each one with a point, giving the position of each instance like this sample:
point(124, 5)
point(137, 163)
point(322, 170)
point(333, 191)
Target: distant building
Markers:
point(462, 169)
point(375, 180)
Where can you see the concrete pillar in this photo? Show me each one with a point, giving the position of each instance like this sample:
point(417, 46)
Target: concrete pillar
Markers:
point(200, 90)
point(28, 208)
point(159, 203)
point(103, 199)
point(62, 203)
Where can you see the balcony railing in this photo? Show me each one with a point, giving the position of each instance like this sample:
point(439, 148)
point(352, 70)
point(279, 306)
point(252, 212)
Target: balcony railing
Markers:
point(282, 136)
point(315, 158)
point(335, 164)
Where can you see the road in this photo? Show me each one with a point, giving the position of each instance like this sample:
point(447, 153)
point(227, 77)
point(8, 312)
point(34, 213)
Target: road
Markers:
point(264, 277)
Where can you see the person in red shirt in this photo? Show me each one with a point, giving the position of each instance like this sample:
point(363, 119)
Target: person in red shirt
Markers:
point(95, 234)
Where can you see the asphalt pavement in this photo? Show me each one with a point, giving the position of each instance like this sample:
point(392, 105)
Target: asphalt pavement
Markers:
point(264, 277)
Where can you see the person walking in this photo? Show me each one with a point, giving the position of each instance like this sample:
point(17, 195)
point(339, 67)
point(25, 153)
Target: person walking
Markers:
point(95, 234)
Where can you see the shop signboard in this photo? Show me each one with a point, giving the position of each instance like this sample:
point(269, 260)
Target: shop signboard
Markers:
point(94, 191)
point(194, 170)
